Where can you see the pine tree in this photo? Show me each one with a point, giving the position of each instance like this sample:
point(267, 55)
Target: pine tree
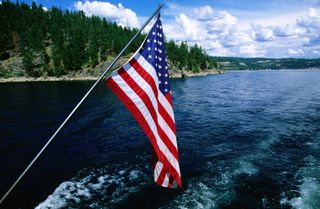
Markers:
point(27, 58)
point(183, 54)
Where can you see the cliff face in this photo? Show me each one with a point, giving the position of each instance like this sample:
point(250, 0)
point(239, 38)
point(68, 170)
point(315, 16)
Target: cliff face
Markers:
point(12, 67)
point(184, 72)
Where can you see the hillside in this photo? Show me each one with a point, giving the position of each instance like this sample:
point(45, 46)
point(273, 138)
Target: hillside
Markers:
point(236, 63)
point(37, 43)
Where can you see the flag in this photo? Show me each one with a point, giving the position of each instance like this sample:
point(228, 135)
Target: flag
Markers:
point(143, 85)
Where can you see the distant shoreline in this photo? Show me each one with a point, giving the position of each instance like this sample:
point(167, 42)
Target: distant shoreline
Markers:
point(185, 74)
point(174, 75)
point(270, 70)
point(88, 78)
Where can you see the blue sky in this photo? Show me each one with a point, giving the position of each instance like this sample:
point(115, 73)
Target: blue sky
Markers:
point(246, 28)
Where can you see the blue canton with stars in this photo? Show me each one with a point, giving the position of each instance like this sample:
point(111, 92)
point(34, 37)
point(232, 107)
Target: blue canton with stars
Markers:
point(153, 50)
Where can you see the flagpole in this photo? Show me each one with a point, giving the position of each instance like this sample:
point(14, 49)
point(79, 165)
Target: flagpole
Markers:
point(157, 11)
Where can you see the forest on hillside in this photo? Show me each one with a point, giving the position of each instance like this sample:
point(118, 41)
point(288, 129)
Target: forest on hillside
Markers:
point(56, 42)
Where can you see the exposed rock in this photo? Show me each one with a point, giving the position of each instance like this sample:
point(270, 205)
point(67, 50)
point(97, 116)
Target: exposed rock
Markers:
point(16, 67)
point(187, 74)
point(39, 60)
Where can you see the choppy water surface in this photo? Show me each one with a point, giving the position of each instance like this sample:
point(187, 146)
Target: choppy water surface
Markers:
point(246, 140)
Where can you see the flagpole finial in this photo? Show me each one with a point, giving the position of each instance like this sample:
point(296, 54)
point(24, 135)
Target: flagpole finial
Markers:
point(159, 8)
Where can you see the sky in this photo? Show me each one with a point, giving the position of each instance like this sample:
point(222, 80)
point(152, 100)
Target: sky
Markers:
point(241, 28)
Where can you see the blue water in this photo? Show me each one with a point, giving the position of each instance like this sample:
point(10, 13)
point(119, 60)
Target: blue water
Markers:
point(246, 140)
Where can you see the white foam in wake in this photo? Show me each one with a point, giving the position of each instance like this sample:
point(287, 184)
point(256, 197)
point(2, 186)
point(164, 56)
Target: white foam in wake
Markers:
point(309, 195)
point(66, 192)
point(97, 188)
point(309, 189)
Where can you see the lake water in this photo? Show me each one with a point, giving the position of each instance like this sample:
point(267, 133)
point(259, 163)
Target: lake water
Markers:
point(246, 140)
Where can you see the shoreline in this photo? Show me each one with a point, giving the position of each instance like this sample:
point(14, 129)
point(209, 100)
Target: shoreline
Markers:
point(46, 79)
point(93, 78)
point(188, 74)
point(173, 75)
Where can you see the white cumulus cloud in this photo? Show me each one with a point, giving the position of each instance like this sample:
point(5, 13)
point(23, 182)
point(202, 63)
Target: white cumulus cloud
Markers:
point(286, 30)
point(192, 28)
point(262, 33)
point(312, 20)
point(295, 52)
point(222, 33)
point(234, 38)
point(222, 21)
point(215, 31)
point(203, 13)
point(310, 25)
point(116, 13)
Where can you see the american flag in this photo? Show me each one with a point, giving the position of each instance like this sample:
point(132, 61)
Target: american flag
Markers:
point(143, 85)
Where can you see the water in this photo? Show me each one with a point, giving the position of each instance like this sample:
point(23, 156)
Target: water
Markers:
point(246, 140)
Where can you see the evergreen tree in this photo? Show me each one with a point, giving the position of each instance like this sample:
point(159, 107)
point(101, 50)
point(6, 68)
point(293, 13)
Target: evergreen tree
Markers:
point(27, 58)
point(172, 51)
point(183, 54)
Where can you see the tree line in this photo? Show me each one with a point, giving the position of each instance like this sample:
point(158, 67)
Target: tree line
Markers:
point(237, 63)
point(57, 41)
point(188, 58)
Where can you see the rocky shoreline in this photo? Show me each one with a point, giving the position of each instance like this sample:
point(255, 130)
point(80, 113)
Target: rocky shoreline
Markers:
point(185, 74)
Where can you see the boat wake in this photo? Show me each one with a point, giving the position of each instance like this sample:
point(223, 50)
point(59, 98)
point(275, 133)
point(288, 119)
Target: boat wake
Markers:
point(307, 195)
point(98, 188)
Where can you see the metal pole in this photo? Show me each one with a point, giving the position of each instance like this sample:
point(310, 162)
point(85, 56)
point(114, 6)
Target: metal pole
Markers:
point(80, 102)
